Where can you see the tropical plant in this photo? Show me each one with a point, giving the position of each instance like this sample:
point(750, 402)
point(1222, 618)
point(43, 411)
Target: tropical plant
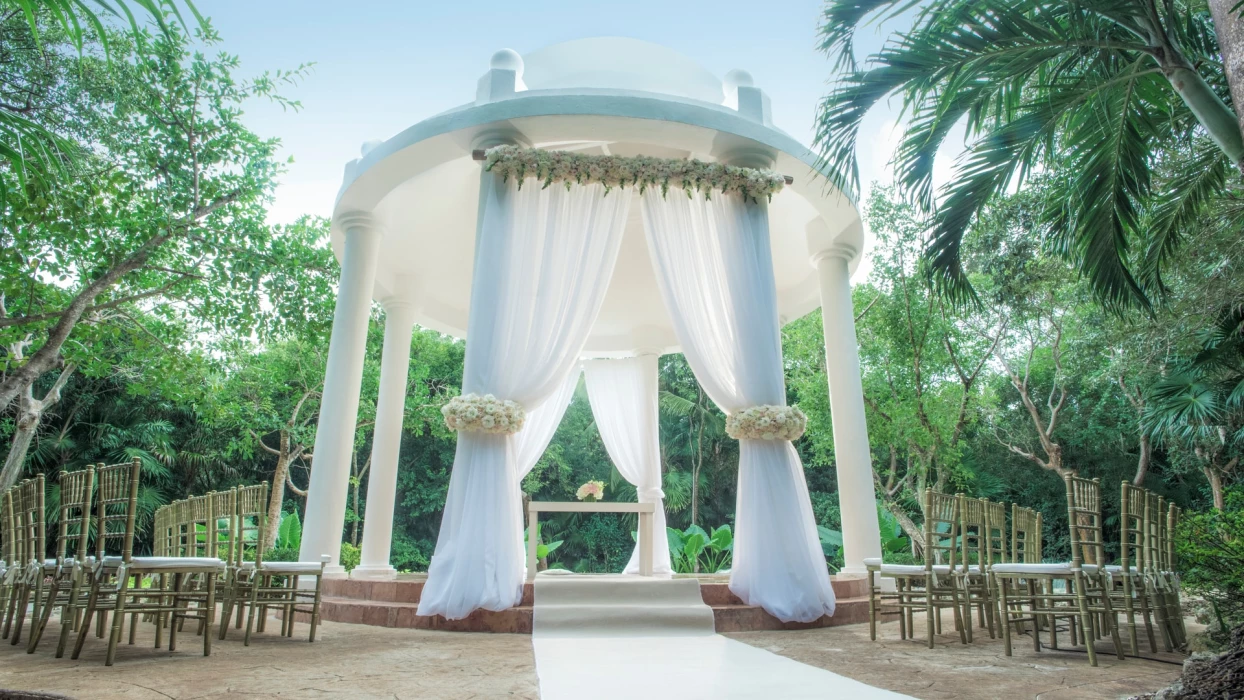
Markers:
point(350, 556)
point(695, 551)
point(1211, 556)
point(1089, 91)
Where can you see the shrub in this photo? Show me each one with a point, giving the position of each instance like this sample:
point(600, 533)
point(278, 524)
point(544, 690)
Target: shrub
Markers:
point(350, 556)
point(1211, 560)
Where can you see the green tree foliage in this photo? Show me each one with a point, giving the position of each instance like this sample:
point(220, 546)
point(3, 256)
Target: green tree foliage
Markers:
point(1096, 90)
point(1211, 555)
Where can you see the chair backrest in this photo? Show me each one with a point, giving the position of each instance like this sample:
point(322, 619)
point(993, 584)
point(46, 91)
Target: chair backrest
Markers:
point(1084, 520)
point(252, 519)
point(1154, 526)
point(973, 533)
point(116, 508)
point(223, 526)
point(74, 524)
point(1133, 501)
point(8, 547)
point(200, 526)
point(1172, 525)
point(1026, 538)
point(995, 532)
point(29, 519)
point(941, 528)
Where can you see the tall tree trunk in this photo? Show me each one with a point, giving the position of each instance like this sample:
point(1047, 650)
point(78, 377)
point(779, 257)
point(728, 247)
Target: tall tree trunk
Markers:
point(276, 497)
point(699, 460)
point(1215, 486)
point(1142, 464)
point(29, 416)
point(1229, 26)
point(913, 531)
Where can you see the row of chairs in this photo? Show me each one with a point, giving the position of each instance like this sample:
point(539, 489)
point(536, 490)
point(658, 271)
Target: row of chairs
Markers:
point(184, 580)
point(968, 565)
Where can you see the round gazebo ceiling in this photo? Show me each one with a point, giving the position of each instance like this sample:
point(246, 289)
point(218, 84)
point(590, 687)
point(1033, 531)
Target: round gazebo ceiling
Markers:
point(604, 95)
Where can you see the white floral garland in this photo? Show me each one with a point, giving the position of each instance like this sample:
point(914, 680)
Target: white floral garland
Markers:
point(638, 171)
point(767, 423)
point(483, 414)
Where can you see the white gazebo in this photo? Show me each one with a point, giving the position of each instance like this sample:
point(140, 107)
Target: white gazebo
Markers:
point(541, 222)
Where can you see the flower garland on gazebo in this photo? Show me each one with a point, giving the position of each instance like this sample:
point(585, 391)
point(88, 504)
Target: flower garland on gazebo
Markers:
point(636, 171)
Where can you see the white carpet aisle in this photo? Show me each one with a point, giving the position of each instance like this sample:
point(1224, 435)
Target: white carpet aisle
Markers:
point(629, 638)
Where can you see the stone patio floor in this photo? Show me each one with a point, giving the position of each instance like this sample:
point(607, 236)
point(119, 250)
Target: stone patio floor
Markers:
point(356, 661)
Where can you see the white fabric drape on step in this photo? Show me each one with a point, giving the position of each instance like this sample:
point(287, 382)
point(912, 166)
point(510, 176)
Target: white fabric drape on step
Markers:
point(715, 271)
point(623, 394)
point(543, 260)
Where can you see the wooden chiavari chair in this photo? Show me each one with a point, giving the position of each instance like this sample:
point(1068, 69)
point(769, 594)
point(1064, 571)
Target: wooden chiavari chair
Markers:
point(929, 588)
point(11, 550)
point(68, 575)
point(116, 511)
point(1126, 580)
point(31, 535)
point(1086, 597)
point(972, 574)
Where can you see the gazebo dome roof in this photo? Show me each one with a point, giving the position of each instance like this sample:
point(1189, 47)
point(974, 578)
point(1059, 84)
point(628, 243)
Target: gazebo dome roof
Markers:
point(601, 95)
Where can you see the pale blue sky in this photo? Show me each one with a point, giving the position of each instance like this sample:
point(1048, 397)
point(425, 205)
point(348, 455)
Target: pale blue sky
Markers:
point(382, 66)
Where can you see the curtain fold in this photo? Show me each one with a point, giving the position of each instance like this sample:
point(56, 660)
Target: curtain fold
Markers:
point(543, 261)
point(623, 394)
point(714, 268)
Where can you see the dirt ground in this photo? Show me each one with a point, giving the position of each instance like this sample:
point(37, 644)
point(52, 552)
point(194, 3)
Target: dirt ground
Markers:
point(356, 661)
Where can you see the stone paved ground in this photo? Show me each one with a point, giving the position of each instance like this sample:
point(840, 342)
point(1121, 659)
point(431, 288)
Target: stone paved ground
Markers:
point(355, 661)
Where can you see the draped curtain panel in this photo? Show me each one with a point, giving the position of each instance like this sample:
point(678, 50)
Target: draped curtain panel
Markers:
point(543, 260)
point(623, 394)
point(715, 271)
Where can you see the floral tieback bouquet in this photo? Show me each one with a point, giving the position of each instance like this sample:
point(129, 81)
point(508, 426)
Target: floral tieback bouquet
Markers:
point(767, 423)
point(591, 491)
point(483, 414)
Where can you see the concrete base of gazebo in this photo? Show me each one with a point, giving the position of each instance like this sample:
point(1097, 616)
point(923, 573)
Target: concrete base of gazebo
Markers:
point(394, 603)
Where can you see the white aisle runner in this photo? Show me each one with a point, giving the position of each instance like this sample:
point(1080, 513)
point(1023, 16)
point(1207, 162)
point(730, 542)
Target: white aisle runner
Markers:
point(637, 638)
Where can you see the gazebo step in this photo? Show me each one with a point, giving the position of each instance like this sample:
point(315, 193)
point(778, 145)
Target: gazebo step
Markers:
point(409, 587)
point(394, 604)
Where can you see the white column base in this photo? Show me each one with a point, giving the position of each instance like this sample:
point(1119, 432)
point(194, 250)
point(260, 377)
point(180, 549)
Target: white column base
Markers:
point(373, 573)
point(852, 572)
point(336, 571)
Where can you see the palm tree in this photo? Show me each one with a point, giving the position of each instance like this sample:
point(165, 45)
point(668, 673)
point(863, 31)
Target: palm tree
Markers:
point(1085, 90)
point(1201, 404)
point(32, 150)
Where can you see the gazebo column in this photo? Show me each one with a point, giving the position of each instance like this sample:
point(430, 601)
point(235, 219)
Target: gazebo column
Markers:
point(857, 499)
point(343, 376)
point(390, 410)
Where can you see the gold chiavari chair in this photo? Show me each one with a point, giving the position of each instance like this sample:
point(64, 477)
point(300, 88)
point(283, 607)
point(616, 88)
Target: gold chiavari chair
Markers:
point(273, 584)
point(1086, 597)
point(31, 533)
point(1175, 614)
point(1126, 580)
point(972, 572)
point(67, 577)
point(928, 588)
point(11, 568)
point(996, 552)
point(116, 511)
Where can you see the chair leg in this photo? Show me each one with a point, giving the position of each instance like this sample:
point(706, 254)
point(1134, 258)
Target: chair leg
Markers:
point(1085, 617)
point(118, 620)
point(23, 602)
point(1006, 612)
point(209, 614)
point(68, 617)
point(174, 614)
point(40, 622)
point(315, 607)
point(930, 610)
point(256, 583)
point(872, 605)
point(85, 628)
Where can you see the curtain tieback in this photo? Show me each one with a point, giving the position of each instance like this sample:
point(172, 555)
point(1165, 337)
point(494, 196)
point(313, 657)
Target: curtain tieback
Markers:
point(767, 423)
point(651, 495)
point(484, 414)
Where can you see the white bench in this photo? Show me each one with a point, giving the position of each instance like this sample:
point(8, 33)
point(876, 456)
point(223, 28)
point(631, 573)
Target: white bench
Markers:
point(645, 535)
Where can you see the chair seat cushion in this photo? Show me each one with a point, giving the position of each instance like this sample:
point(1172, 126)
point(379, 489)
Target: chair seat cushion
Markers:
point(912, 569)
point(285, 567)
point(172, 563)
point(1046, 569)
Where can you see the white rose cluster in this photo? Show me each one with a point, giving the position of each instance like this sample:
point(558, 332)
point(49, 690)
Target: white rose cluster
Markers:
point(643, 172)
point(767, 423)
point(483, 414)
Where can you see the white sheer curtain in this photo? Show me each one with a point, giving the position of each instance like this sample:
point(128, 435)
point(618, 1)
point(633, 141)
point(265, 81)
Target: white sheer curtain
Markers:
point(543, 260)
point(714, 268)
point(623, 394)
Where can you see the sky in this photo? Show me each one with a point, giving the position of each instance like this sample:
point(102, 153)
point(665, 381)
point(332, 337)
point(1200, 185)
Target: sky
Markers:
point(380, 66)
